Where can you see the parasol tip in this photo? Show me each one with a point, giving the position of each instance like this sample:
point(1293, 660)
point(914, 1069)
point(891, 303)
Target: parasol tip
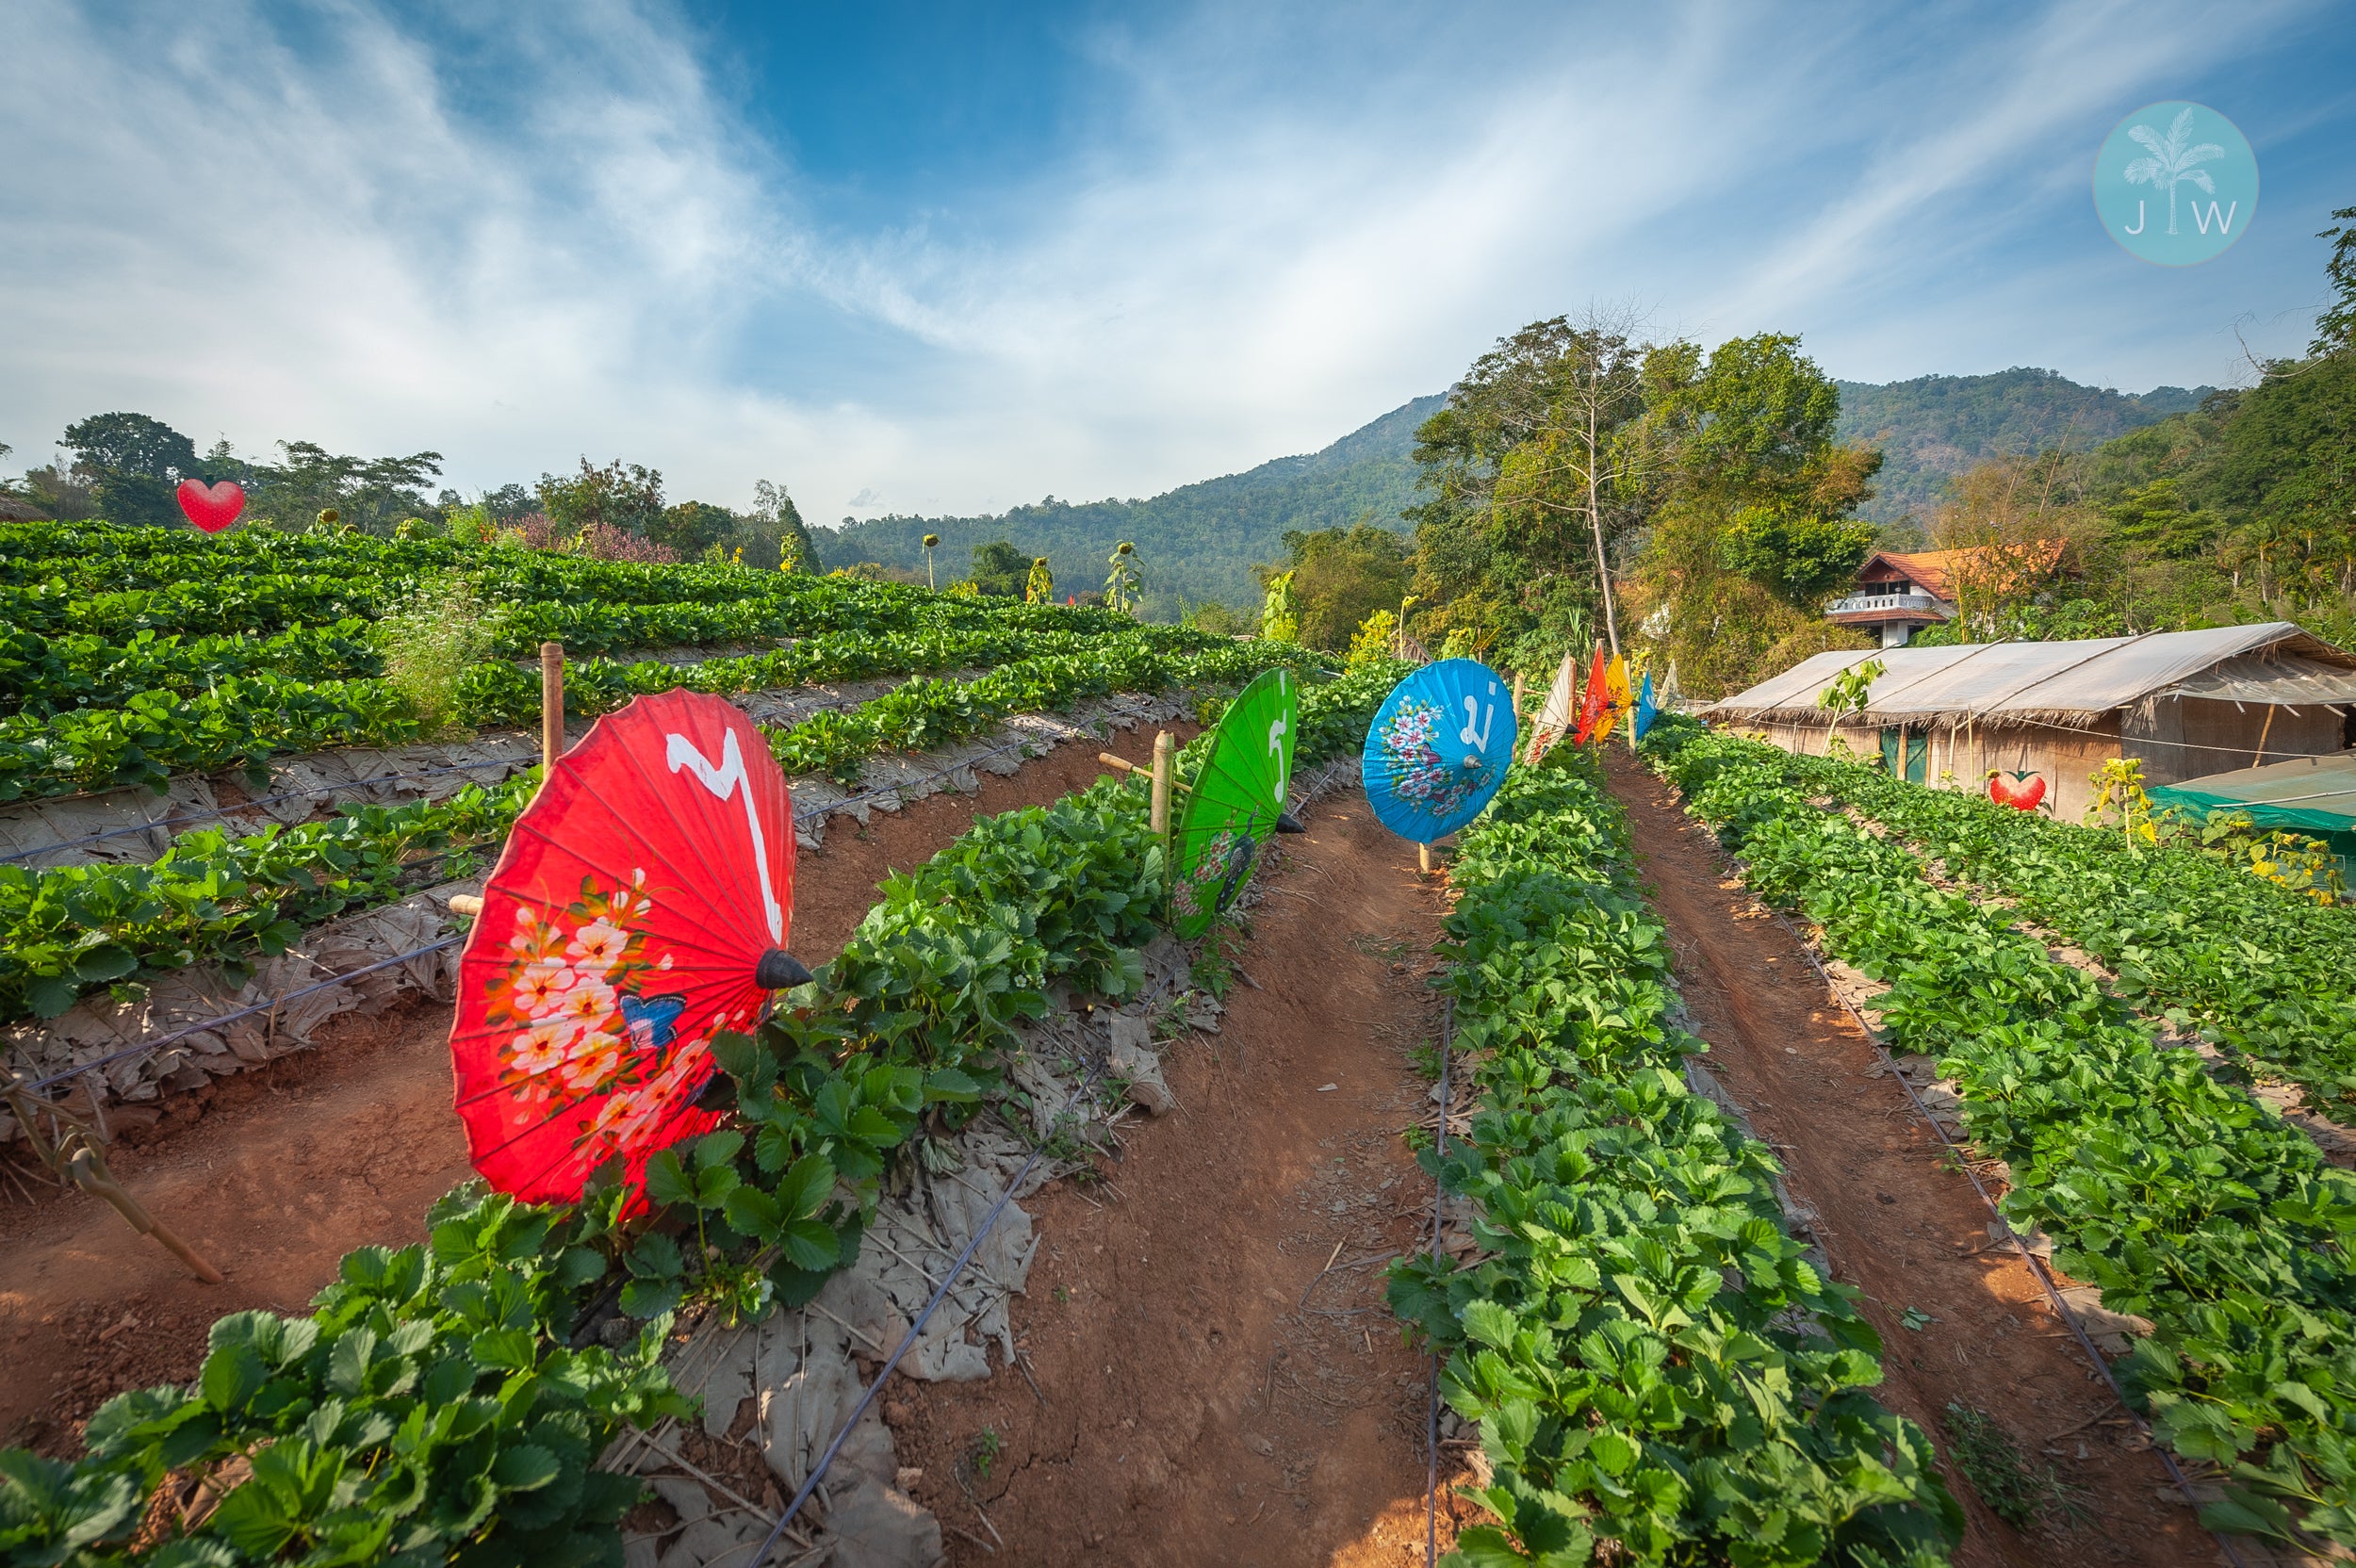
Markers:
point(1288, 822)
point(781, 970)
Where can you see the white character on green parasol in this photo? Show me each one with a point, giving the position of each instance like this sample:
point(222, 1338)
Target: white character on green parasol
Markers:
point(1237, 801)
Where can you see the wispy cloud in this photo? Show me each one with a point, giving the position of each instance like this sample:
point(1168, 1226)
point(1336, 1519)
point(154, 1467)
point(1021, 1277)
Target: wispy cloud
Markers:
point(521, 235)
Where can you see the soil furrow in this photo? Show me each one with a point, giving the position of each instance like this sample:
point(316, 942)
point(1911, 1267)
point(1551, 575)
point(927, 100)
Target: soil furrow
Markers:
point(1197, 1411)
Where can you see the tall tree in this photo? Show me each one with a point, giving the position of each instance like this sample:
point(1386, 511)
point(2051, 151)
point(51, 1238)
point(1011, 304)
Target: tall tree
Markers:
point(1534, 479)
point(2335, 328)
point(131, 462)
point(1336, 578)
point(1000, 569)
point(619, 496)
point(373, 495)
point(1749, 501)
point(779, 519)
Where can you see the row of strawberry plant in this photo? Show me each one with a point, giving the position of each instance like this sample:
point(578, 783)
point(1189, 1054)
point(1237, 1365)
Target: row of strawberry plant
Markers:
point(93, 558)
point(80, 672)
point(2261, 969)
point(260, 582)
point(431, 1408)
point(1659, 1374)
point(244, 720)
point(65, 931)
point(2184, 1200)
point(47, 671)
point(41, 675)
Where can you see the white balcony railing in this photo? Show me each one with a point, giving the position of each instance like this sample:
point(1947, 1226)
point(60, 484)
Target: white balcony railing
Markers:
point(1909, 603)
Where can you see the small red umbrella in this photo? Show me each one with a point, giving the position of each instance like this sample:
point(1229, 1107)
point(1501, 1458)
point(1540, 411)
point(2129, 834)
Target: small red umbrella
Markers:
point(641, 907)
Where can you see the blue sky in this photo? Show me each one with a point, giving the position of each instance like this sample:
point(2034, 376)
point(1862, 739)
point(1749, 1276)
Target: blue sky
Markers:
point(929, 257)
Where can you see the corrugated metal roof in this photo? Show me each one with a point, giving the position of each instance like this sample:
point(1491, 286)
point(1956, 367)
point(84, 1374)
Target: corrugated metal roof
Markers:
point(2068, 683)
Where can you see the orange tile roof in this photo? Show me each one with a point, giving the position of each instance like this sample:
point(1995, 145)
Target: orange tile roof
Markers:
point(1934, 569)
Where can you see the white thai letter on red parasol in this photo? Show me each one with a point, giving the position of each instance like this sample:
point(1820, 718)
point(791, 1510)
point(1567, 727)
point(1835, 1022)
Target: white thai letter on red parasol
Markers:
point(727, 777)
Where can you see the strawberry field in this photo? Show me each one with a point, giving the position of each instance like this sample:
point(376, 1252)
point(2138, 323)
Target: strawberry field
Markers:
point(1656, 1357)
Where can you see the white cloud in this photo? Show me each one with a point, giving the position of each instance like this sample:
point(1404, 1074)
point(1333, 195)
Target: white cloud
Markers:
point(525, 239)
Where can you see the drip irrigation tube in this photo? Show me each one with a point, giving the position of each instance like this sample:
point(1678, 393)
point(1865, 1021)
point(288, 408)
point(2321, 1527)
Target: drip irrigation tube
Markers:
point(2036, 1266)
point(1432, 1425)
point(907, 1341)
point(273, 1005)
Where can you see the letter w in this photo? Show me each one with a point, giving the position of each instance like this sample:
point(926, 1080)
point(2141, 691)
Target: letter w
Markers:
point(2224, 224)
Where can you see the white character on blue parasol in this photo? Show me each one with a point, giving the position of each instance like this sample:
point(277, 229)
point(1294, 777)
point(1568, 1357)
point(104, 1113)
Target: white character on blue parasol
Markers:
point(1439, 749)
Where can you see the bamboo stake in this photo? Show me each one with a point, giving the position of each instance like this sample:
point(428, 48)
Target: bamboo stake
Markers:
point(1125, 765)
point(552, 705)
point(92, 1175)
point(2264, 730)
point(1423, 857)
point(1518, 678)
point(1165, 753)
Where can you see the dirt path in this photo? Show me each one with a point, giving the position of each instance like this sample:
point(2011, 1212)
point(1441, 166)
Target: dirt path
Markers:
point(293, 1165)
point(1205, 1394)
point(1896, 1221)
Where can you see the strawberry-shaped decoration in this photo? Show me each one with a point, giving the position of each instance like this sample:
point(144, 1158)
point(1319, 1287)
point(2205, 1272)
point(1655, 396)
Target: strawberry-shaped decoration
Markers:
point(211, 507)
point(2022, 793)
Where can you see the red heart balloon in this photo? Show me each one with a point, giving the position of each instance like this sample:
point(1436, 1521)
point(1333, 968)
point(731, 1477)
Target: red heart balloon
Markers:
point(212, 507)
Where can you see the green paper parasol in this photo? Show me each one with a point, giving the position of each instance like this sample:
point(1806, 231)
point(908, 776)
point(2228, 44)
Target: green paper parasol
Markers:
point(1237, 801)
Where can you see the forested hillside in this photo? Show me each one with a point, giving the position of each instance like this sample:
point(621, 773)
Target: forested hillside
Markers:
point(1932, 427)
point(1197, 542)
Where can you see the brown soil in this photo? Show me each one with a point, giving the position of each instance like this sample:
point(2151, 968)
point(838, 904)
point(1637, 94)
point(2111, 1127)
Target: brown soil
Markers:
point(1896, 1219)
point(275, 1173)
point(1203, 1392)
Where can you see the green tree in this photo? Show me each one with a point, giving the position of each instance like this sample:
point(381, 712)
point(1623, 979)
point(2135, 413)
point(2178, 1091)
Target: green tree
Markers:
point(1750, 502)
point(2335, 328)
point(131, 464)
point(369, 493)
point(622, 497)
point(2153, 516)
point(1800, 559)
point(693, 527)
point(1537, 480)
point(1336, 578)
point(1000, 569)
point(779, 519)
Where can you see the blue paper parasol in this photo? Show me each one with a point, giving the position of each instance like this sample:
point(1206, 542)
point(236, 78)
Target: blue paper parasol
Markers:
point(1439, 749)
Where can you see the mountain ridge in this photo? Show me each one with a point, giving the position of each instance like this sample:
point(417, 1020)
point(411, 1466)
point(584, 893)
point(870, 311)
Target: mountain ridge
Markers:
point(1199, 541)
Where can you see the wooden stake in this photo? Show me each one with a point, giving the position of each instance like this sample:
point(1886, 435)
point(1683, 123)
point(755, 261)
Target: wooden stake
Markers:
point(1165, 752)
point(1517, 696)
point(1423, 857)
point(552, 704)
point(2264, 730)
point(91, 1176)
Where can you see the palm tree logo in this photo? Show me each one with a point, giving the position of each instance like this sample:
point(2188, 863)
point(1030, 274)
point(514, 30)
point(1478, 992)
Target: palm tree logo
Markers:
point(2173, 160)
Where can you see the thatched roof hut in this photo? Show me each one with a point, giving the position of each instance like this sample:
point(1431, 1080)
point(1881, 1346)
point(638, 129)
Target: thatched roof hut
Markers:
point(2187, 703)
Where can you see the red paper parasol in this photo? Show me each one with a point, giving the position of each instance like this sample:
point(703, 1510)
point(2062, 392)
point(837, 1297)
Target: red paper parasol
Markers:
point(641, 905)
